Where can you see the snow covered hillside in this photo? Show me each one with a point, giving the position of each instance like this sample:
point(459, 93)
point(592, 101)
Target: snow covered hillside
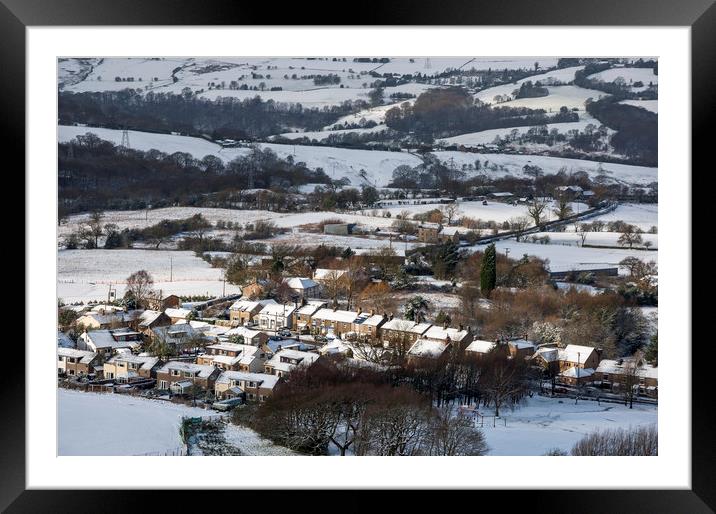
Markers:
point(369, 167)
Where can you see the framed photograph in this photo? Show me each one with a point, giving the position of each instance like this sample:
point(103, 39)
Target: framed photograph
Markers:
point(418, 251)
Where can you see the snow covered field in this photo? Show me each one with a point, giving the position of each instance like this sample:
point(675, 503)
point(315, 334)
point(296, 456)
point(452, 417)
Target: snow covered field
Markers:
point(84, 275)
point(544, 423)
point(643, 215)
point(320, 135)
point(566, 258)
point(141, 219)
point(559, 96)
point(144, 141)
point(630, 75)
point(594, 238)
point(113, 424)
point(486, 137)
point(493, 211)
point(649, 105)
point(564, 75)
point(197, 73)
point(512, 165)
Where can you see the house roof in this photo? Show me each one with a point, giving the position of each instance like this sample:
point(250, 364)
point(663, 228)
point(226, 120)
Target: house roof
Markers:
point(522, 343)
point(337, 315)
point(613, 367)
point(405, 325)
point(246, 332)
point(451, 231)
point(265, 380)
point(325, 273)
point(442, 334)
point(84, 356)
point(277, 309)
point(427, 348)
point(244, 349)
point(148, 317)
point(480, 346)
point(202, 370)
point(306, 358)
point(549, 354)
point(64, 341)
point(310, 308)
point(249, 305)
point(575, 372)
point(301, 283)
point(105, 339)
point(145, 362)
point(177, 313)
point(374, 320)
point(575, 352)
point(101, 319)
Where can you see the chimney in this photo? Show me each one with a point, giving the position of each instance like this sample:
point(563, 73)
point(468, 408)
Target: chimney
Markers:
point(445, 325)
point(460, 327)
point(372, 312)
point(359, 309)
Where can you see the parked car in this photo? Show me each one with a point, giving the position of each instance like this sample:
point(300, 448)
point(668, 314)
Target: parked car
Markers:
point(285, 332)
point(227, 405)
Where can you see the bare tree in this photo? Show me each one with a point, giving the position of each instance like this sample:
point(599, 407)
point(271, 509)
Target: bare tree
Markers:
point(519, 225)
point(630, 236)
point(140, 286)
point(581, 232)
point(535, 210)
point(450, 212)
point(456, 435)
point(94, 228)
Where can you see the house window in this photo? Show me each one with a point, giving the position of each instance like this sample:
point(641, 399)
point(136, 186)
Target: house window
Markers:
point(71, 371)
point(174, 372)
point(162, 384)
point(110, 375)
point(188, 374)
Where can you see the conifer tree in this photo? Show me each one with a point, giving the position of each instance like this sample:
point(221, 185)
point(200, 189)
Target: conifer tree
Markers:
point(488, 271)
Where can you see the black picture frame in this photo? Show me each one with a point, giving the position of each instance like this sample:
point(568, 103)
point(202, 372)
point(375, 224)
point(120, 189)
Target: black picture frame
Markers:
point(700, 15)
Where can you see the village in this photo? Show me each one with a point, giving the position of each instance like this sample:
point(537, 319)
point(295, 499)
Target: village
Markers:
point(318, 256)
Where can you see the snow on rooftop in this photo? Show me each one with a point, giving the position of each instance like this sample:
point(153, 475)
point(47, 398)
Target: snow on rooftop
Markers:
point(301, 283)
point(575, 372)
point(177, 313)
point(427, 348)
point(265, 380)
point(442, 334)
point(613, 367)
point(337, 315)
point(480, 346)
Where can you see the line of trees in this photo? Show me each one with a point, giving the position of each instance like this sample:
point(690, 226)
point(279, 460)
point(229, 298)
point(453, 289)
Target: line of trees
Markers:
point(96, 174)
point(224, 117)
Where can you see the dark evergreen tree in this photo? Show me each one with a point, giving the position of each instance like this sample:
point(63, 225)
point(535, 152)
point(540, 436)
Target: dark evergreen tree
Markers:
point(488, 271)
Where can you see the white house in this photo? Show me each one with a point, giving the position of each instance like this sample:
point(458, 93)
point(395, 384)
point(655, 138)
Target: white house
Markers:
point(276, 316)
